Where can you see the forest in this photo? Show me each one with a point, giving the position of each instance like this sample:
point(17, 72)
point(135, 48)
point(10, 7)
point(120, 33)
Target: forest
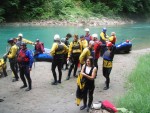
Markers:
point(29, 10)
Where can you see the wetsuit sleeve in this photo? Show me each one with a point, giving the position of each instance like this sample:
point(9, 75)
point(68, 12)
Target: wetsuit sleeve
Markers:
point(70, 49)
point(27, 41)
point(30, 56)
point(13, 52)
point(112, 52)
point(53, 49)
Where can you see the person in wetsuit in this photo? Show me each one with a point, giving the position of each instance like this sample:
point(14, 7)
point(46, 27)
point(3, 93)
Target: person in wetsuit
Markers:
point(89, 73)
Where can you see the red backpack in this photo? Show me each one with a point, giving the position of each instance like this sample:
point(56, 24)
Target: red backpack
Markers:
point(108, 106)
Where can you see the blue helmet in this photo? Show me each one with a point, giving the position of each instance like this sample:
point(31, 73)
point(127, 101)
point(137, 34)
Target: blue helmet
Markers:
point(104, 29)
point(11, 40)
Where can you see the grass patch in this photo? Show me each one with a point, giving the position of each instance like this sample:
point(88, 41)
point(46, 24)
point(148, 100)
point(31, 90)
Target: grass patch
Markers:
point(137, 98)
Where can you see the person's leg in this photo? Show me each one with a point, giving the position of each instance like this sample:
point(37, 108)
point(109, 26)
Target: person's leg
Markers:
point(22, 77)
point(91, 91)
point(76, 61)
point(106, 73)
point(96, 63)
point(69, 72)
point(4, 71)
point(59, 70)
point(12, 66)
point(84, 99)
point(54, 64)
point(27, 74)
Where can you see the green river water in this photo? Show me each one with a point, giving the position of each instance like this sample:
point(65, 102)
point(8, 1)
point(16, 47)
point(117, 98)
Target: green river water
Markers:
point(139, 31)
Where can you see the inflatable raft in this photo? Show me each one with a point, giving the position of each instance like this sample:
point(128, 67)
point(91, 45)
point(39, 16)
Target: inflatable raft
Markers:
point(44, 56)
point(124, 47)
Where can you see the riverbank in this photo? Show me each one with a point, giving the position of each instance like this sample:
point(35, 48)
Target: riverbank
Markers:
point(45, 98)
point(93, 21)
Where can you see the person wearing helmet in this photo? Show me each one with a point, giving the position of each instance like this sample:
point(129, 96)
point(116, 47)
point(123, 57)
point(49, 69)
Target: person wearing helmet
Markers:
point(113, 38)
point(103, 39)
point(57, 51)
point(11, 55)
point(39, 47)
point(87, 34)
point(107, 62)
point(75, 50)
point(25, 61)
point(83, 41)
point(86, 53)
point(97, 49)
point(20, 39)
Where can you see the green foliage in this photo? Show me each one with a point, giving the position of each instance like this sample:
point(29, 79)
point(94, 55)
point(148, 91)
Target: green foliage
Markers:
point(25, 10)
point(137, 98)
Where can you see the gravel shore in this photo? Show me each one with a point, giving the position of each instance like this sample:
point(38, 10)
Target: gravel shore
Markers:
point(45, 98)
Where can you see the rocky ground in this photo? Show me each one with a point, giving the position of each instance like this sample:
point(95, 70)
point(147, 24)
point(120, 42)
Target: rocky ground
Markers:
point(93, 21)
point(45, 98)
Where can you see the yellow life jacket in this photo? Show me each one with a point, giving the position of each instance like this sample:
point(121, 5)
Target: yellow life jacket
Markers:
point(107, 64)
point(76, 47)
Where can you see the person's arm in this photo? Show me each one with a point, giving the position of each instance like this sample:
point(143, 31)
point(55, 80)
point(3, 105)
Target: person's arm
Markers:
point(13, 52)
point(53, 49)
point(30, 56)
point(92, 77)
point(70, 50)
point(82, 56)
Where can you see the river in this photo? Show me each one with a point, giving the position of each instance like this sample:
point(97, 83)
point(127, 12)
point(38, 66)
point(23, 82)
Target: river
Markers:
point(139, 32)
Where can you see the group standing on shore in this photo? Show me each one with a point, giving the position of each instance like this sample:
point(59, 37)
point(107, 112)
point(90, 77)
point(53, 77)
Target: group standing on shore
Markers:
point(85, 51)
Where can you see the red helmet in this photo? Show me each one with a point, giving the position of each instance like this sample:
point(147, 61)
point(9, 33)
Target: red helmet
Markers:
point(109, 44)
point(127, 41)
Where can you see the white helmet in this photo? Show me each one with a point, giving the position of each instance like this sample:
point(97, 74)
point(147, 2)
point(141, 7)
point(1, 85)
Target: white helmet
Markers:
point(86, 29)
point(91, 42)
point(20, 34)
point(95, 35)
point(57, 37)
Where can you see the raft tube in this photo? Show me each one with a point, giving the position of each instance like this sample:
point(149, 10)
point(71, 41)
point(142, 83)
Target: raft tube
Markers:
point(123, 47)
point(44, 56)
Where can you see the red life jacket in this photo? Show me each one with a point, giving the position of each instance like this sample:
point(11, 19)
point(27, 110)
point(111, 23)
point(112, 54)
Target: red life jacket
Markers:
point(22, 57)
point(114, 40)
point(39, 47)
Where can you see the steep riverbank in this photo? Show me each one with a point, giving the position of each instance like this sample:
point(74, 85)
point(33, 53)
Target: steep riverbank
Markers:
point(45, 98)
point(93, 21)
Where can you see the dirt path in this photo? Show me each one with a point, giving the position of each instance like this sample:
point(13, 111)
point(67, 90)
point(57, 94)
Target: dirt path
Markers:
point(45, 98)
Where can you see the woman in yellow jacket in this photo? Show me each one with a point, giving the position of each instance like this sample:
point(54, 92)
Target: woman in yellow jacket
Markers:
point(12, 54)
point(75, 50)
point(58, 51)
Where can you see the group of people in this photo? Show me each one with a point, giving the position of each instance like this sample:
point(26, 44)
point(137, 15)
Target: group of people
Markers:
point(86, 52)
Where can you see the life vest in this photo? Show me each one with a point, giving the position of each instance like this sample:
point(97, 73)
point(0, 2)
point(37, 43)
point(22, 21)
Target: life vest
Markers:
point(103, 41)
point(60, 49)
point(76, 46)
point(88, 83)
point(22, 57)
point(88, 37)
point(114, 40)
point(38, 47)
